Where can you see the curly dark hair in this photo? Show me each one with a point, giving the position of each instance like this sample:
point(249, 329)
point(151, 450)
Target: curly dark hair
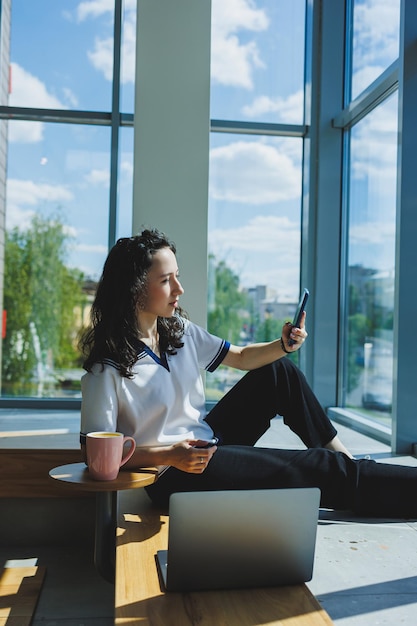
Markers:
point(114, 332)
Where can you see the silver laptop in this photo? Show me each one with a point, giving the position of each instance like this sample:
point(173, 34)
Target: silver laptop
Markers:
point(240, 539)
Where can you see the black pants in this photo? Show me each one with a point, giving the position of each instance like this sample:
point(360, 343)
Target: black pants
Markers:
point(244, 415)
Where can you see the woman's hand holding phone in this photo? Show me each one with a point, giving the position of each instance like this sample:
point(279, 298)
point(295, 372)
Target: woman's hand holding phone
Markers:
point(299, 313)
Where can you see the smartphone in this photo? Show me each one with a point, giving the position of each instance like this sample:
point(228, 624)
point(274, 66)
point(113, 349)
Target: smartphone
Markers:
point(299, 312)
point(210, 444)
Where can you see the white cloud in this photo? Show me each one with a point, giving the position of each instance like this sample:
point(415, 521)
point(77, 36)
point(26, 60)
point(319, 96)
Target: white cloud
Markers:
point(101, 55)
point(264, 234)
point(28, 90)
point(372, 243)
point(21, 218)
point(92, 248)
point(98, 177)
point(377, 27)
point(253, 173)
point(31, 193)
point(372, 233)
point(25, 132)
point(22, 194)
point(126, 167)
point(70, 231)
point(128, 63)
point(376, 42)
point(233, 62)
point(289, 110)
point(264, 251)
point(70, 97)
point(374, 152)
point(364, 76)
point(89, 258)
point(232, 15)
point(94, 8)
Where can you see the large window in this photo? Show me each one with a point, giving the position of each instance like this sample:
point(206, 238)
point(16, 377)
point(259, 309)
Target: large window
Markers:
point(69, 174)
point(53, 247)
point(370, 203)
point(255, 190)
point(257, 60)
point(371, 262)
point(300, 185)
point(68, 180)
point(254, 240)
point(61, 54)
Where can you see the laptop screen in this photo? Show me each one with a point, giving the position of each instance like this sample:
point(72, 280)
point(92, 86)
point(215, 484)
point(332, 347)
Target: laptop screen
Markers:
point(236, 539)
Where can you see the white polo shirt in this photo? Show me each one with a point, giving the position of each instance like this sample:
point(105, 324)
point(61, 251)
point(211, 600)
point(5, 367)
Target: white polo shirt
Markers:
point(164, 402)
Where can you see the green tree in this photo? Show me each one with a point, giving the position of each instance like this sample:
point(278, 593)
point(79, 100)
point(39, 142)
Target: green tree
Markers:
point(361, 324)
point(226, 318)
point(268, 330)
point(41, 295)
point(18, 358)
point(359, 329)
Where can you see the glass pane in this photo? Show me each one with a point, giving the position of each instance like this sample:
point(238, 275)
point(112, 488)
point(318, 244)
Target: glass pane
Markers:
point(254, 241)
point(61, 54)
point(376, 34)
point(56, 242)
point(371, 262)
point(257, 60)
point(128, 57)
point(125, 187)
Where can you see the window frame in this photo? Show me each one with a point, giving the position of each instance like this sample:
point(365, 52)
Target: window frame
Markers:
point(325, 133)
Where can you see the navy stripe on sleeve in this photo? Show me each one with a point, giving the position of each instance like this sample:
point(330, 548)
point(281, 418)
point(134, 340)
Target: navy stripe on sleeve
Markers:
point(223, 350)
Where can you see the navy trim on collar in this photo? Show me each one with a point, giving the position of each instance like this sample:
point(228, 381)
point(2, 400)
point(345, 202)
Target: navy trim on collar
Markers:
point(162, 360)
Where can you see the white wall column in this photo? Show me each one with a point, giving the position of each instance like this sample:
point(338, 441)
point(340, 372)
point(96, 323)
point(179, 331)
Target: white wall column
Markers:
point(171, 141)
point(322, 223)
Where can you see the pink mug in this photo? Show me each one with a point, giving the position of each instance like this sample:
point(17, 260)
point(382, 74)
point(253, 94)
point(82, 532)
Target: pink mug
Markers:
point(105, 454)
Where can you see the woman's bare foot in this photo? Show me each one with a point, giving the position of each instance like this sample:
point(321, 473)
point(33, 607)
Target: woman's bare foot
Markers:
point(336, 445)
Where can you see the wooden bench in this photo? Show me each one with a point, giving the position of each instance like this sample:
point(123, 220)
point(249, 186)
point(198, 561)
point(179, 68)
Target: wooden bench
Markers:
point(25, 471)
point(140, 599)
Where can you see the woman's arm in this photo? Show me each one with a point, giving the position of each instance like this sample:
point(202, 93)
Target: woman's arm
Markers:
point(256, 355)
point(188, 456)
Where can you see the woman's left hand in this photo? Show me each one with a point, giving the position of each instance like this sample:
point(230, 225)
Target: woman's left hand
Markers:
point(190, 455)
point(297, 335)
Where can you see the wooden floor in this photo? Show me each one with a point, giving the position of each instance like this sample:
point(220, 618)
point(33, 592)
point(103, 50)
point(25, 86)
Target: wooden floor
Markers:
point(20, 589)
point(365, 571)
point(141, 598)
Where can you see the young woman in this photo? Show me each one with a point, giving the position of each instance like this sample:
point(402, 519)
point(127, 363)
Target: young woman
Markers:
point(143, 359)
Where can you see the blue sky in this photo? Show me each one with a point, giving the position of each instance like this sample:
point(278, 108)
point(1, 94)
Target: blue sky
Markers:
point(61, 55)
